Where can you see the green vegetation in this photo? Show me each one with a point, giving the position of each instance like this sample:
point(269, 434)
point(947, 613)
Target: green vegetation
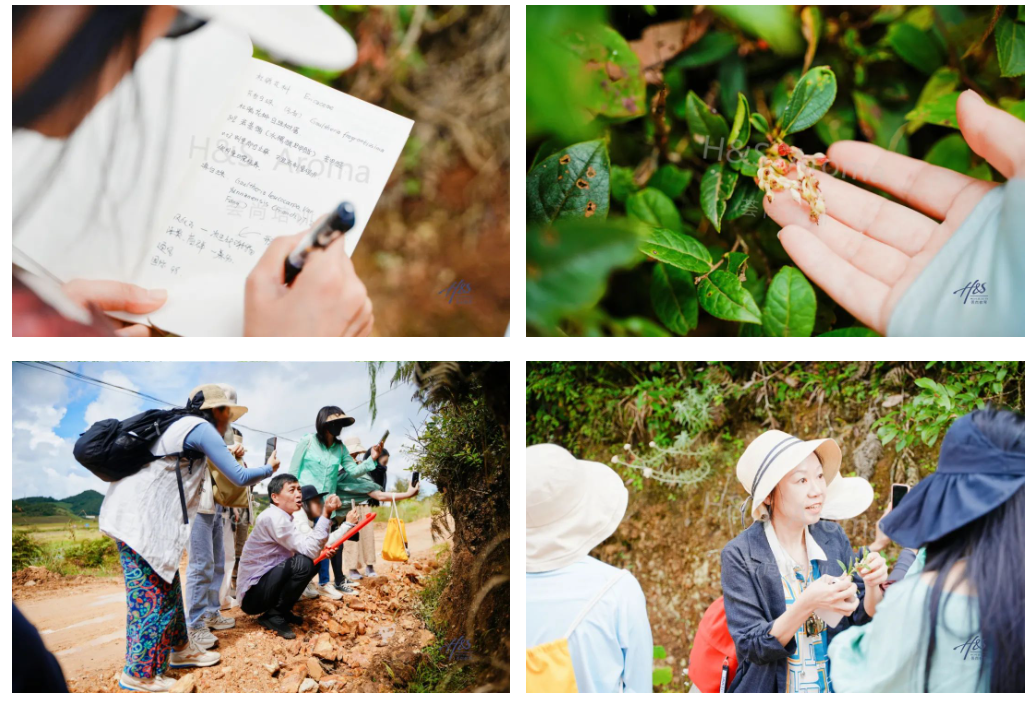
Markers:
point(411, 510)
point(650, 131)
point(86, 503)
point(64, 549)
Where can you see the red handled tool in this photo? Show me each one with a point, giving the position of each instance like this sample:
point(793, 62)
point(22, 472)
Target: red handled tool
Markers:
point(353, 531)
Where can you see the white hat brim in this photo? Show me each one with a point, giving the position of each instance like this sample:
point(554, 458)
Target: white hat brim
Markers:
point(847, 497)
point(302, 35)
point(597, 513)
point(792, 458)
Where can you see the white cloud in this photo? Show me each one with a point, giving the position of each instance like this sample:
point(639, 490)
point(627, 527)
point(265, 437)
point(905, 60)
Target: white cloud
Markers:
point(114, 404)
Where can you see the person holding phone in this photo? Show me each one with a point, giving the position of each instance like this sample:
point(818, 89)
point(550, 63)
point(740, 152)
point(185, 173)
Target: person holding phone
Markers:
point(784, 593)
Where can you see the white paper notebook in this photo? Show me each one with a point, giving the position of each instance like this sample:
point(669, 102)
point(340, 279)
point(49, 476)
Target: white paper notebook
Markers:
point(264, 154)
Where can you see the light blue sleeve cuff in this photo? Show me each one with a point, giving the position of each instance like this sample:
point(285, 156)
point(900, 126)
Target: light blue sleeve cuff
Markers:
point(975, 285)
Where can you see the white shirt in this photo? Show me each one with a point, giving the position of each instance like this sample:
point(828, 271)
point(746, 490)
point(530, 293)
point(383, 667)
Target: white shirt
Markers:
point(785, 563)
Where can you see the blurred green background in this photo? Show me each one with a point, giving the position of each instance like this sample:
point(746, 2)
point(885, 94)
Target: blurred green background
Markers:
point(444, 215)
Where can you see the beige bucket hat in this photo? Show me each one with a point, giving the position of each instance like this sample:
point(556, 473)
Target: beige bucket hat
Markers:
point(774, 454)
point(571, 506)
point(353, 445)
point(214, 396)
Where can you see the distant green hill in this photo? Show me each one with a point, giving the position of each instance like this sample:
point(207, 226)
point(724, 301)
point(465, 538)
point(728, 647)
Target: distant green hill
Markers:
point(86, 503)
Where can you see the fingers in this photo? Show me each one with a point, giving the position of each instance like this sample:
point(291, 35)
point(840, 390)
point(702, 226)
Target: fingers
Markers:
point(362, 324)
point(861, 294)
point(925, 187)
point(993, 134)
point(269, 269)
point(137, 330)
point(113, 295)
point(870, 256)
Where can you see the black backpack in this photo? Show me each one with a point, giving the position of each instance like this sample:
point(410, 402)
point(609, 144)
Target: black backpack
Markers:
point(114, 449)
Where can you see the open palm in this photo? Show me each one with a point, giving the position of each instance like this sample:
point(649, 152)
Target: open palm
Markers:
point(867, 250)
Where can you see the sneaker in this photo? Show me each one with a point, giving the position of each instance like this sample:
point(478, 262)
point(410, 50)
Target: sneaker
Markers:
point(345, 587)
point(202, 637)
point(370, 572)
point(353, 575)
point(217, 621)
point(310, 592)
point(278, 624)
point(192, 656)
point(328, 590)
point(158, 684)
point(348, 582)
point(293, 618)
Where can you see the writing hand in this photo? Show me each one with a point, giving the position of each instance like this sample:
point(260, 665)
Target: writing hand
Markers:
point(867, 250)
point(327, 298)
point(112, 295)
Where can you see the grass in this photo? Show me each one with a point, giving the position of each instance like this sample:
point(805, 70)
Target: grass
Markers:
point(69, 550)
point(410, 510)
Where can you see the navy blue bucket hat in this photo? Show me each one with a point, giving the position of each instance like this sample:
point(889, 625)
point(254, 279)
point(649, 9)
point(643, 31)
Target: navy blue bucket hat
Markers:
point(973, 477)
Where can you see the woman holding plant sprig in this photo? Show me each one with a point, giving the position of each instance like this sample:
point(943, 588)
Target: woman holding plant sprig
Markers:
point(784, 591)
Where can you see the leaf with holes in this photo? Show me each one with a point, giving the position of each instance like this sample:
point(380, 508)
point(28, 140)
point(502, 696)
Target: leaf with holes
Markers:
point(722, 295)
point(570, 184)
point(676, 249)
point(717, 186)
point(616, 83)
point(674, 298)
point(791, 305)
point(654, 208)
point(813, 95)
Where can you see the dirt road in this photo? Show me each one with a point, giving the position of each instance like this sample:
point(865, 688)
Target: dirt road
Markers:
point(83, 620)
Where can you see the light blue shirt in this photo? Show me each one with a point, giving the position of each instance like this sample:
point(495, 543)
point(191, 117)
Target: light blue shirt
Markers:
point(975, 284)
point(205, 439)
point(611, 648)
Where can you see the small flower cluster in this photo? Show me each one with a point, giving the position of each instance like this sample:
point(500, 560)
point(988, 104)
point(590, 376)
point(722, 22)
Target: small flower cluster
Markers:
point(658, 463)
point(786, 167)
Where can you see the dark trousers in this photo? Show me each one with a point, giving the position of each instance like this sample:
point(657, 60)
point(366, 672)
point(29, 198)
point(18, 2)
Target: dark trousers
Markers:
point(280, 588)
point(336, 559)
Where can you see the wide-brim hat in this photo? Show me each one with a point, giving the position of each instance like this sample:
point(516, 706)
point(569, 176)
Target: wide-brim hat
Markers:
point(310, 492)
point(339, 419)
point(214, 396)
point(302, 34)
point(973, 477)
point(775, 453)
point(571, 506)
point(353, 445)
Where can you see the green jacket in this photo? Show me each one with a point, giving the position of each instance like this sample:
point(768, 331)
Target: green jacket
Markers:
point(315, 464)
point(355, 486)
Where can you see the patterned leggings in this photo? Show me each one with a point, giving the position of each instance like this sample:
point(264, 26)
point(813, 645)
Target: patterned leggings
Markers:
point(155, 620)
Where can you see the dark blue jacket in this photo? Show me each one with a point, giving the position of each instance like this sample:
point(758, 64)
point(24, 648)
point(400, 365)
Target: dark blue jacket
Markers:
point(753, 597)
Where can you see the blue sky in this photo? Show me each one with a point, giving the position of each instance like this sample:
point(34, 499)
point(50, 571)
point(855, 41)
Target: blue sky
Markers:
point(50, 411)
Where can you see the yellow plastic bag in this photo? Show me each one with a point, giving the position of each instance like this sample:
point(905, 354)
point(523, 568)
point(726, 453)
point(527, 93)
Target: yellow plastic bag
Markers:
point(394, 547)
point(548, 668)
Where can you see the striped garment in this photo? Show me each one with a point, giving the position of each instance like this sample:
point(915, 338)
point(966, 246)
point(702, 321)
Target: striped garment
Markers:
point(808, 667)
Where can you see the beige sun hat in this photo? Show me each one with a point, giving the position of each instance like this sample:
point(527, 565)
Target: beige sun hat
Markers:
point(571, 506)
point(774, 454)
point(353, 445)
point(214, 396)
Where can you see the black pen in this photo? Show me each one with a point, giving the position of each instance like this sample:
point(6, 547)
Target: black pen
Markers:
point(322, 235)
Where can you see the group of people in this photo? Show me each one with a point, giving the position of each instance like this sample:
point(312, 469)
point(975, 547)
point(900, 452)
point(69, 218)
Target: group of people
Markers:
point(949, 617)
point(327, 490)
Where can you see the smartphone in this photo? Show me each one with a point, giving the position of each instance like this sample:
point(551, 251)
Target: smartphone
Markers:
point(413, 479)
point(384, 437)
point(898, 492)
point(271, 445)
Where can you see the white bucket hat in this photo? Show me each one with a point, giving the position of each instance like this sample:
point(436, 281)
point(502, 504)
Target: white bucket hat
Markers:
point(353, 445)
point(303, 35)
point(774, 454)
point(570, 506)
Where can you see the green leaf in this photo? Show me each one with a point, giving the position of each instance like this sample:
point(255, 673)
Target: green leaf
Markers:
point(850, 332)
point(640, 327)
point(675, 298)
point(1013, 106)
point(939, 111)
point(812, 30)
point(782, 93)
point(707, 50)
point(671, 180)
point(570, 184)
point(882, 126)
point(735, 261)
point(676, 249)
point(658, 653)
point(702, 120)
point(617, 86)
point(717, 186)
point(661, 677)
point(759, 122)
point(747, 199)
point(951, 152)
point(722, 295)
point(741, 128)
point(654, 208)
point(791, 305)
point(779, 25)
point(837, 124)
point(732, 77)
point(813, 95)
point(623, 185)
point(749, 164)
point(1010, 46)
point(567, 265)
point(916, 47)
point(842, 566)
point(942, 82)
